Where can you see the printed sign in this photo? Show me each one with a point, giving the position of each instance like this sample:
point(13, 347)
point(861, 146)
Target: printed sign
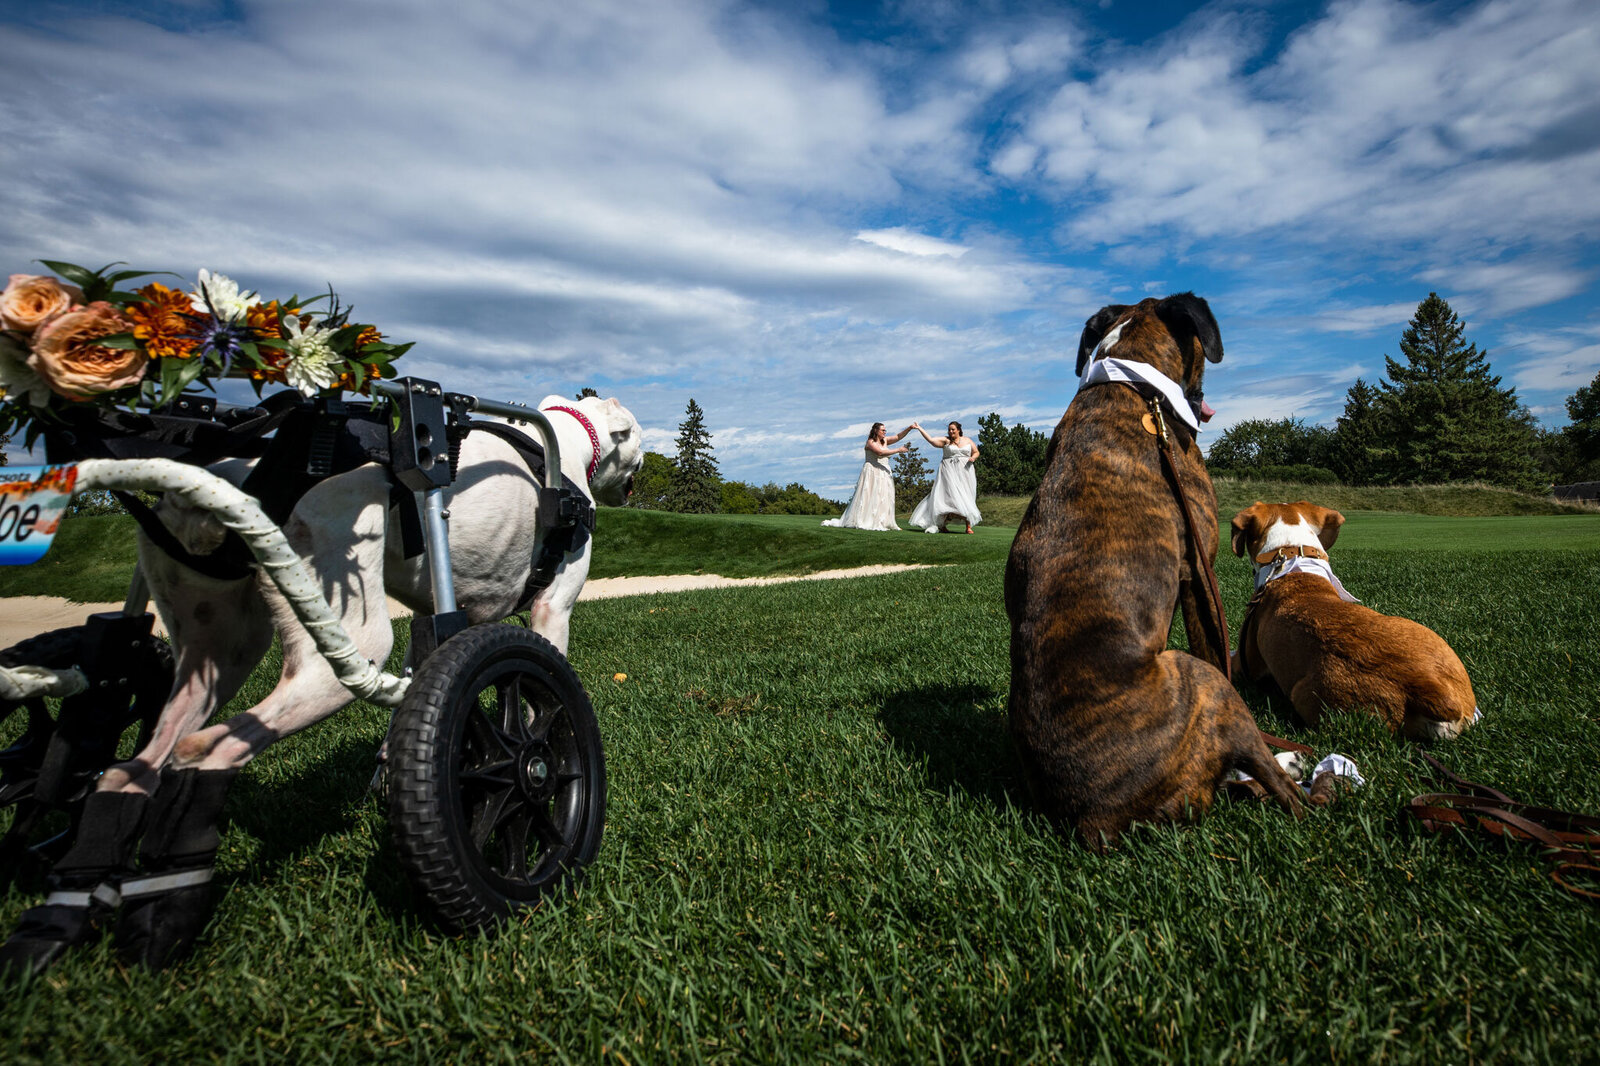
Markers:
point(32, 499)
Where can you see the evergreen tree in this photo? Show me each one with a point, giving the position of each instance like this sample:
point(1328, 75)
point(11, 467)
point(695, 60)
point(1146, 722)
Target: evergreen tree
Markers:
point(1582, 437)
point(696, 486)
point(1013, 459)
point(911, 477)
point(587, 391)
point(1450, 419)
point(1362, 453)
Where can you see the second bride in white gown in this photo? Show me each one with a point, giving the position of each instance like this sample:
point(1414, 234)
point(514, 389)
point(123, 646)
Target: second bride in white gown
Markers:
point(872, 506)
point(955, 485)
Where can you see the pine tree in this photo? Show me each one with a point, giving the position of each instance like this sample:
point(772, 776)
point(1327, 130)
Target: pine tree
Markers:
point(1450, 419)
point(587, 391)
point(911, 477)
point(1582, 437)
point(1362, 452)
point(696, 486)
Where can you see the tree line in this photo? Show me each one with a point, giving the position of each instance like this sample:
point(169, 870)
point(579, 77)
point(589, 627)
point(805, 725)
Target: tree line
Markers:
point(691, 483)
point(1439, 416)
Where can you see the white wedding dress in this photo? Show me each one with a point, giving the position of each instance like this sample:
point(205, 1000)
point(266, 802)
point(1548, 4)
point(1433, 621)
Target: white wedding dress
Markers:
point(955, 491)
point(872, 506)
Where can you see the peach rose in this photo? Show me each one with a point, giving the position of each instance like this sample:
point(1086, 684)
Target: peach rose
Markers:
point(66, 356)
point(30, 300)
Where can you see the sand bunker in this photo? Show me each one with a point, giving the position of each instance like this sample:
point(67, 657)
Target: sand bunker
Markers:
point(24, 616)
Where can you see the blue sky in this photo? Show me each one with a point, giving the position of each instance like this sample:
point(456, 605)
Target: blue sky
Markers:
point(810, 216)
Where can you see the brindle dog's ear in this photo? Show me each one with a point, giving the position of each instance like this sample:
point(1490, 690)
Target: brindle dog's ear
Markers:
point(1094, 329)
point(1188, 313)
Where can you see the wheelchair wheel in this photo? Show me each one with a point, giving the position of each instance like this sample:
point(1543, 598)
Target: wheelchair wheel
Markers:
point(497, 780)
point(53, 763)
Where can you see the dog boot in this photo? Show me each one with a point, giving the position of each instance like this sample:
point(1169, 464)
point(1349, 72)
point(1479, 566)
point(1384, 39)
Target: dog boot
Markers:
point(84, 886)
point(166, 905)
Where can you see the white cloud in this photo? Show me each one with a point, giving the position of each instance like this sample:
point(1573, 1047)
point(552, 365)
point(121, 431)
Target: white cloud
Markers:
point(900, 239)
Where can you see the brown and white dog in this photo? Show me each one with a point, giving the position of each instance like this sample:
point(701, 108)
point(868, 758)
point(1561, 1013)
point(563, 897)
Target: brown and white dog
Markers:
point(1112, 727)
point(1326, 651)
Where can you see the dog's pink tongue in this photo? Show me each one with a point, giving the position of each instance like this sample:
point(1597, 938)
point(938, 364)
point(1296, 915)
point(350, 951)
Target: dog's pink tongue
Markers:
point(1206, 411)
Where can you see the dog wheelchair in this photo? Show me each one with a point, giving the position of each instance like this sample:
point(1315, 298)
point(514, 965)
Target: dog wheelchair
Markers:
point(494, 776)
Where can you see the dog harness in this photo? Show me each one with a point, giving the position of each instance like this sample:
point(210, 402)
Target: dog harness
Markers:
point(594, 438)
point(566, 522)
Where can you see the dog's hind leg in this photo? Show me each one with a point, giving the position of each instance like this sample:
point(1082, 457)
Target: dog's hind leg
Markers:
point(219, 631)
point(340, 532)
point(551, 614)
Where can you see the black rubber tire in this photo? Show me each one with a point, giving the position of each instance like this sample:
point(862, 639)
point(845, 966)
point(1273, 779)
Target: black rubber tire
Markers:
point(497, 779)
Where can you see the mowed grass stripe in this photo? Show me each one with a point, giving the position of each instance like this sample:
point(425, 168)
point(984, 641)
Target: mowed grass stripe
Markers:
point(93, 555)
point(817, 850)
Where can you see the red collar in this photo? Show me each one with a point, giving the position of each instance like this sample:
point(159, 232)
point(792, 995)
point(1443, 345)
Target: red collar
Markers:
point(594, 438)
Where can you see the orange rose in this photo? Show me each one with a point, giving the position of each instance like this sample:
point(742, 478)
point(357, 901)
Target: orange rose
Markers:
point(30, 300)
point(66, 356)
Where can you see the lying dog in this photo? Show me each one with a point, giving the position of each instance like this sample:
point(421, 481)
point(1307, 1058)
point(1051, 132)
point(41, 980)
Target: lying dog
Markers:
point(1112, 728)
point(1323, 649)
point(348, 533)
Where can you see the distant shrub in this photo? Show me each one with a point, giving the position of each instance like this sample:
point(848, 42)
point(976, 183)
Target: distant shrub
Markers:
point(1302, 473)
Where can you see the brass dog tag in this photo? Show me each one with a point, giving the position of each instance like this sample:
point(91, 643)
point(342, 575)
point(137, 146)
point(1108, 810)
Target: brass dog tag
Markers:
point(1150, 425)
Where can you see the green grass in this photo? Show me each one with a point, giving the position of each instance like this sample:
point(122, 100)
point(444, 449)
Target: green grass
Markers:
point(93, 555)
point(817, 851)
point(1445, 500)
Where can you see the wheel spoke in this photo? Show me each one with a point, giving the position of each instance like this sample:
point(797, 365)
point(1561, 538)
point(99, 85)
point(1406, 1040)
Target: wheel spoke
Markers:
point(514, 845)
point(487, 816)
point(544, 826)
point(498, 774)
point(485, 740)
point(545, 721)
point(513, 720)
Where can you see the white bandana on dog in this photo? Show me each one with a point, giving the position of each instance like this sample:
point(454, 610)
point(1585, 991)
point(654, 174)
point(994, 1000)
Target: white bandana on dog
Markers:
point(1302, 564)
point(1110, 369)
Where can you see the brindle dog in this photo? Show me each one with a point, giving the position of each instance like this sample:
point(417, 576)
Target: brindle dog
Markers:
point(1112, 728)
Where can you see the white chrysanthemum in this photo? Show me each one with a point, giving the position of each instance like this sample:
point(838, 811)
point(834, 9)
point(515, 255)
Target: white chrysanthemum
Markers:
point(226, 300)
point(18, 381)
point(312, 365)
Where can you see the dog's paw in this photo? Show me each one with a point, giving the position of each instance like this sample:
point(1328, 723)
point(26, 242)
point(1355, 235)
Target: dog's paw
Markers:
point(1295, 765)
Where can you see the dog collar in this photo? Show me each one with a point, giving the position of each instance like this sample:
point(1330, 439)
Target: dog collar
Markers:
point(594, 438)
point(1296, 559)
point(1131, 372)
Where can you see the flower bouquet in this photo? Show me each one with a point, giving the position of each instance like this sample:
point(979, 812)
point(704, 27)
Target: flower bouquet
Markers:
point(76, 340)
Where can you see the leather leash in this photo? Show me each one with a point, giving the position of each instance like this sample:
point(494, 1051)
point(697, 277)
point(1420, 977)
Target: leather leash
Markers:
point(1218, 615)
point(1571, 840)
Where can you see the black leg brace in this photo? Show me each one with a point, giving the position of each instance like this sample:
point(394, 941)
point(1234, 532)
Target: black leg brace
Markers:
point(166, 905)
point(84, 886)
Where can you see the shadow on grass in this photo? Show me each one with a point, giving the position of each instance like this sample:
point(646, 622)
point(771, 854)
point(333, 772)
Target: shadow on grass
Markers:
point(298, 812)
point(956, 732)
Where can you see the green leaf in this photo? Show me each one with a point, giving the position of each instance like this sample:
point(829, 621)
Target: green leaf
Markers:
point(123, 275)
point(72, 272)
point(124, 342)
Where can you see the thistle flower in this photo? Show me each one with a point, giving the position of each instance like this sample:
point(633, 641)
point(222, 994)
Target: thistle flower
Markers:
point(311, 363)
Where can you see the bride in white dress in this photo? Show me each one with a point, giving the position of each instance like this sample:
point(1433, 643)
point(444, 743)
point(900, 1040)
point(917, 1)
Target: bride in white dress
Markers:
point(872, 506)
point(955, 485)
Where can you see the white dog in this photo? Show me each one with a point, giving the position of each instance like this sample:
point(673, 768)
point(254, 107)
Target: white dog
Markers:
point(348, 534)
